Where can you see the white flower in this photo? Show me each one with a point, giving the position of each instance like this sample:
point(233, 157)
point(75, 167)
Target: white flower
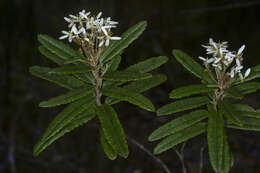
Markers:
point(68, 35)
point(83, 14)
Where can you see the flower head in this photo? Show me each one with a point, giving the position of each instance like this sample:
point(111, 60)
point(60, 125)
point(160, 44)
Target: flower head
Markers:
point(224, 60)
point(89, 30)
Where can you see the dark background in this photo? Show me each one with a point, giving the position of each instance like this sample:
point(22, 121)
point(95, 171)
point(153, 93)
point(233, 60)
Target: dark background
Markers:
point(172, 24)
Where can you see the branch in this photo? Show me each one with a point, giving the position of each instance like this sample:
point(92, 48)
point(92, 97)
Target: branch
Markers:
point(156, 159)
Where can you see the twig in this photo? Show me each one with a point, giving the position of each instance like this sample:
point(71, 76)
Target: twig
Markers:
point(159, 161)
point(222, 8)
point(181, 157)
point(201, 159)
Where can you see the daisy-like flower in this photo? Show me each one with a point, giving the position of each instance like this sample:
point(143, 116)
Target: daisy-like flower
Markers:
point(68, 35)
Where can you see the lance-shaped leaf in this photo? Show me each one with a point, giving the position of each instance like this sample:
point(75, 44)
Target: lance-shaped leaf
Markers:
point(148, 65)
point(67, 115)
point(246, 110)
point(113, 131)
point(227, 158)
point(69, 97)
point(215, 138)
point(179, 137)
point(252, 124)
point(117, 47)
point(230, 113)
point(108, 149)
point(114, 64)
point(125, 76)
point(233, 92)
point(191, 65)
point(79, 120)
point(51, 55)
point(140, 86)
point(66, 81)
point(71, 69)
point(190, 90)
point(57, 47)
point(182, 105)
point(129, 96)
point(178, 124)
point(247, 88)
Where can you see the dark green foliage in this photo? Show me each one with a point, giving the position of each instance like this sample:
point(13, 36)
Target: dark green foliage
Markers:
point(78, 75)
point(219, 104)
point(182, 105)
point(129, 96)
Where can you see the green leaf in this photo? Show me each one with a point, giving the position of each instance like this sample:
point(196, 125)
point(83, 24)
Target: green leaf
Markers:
point(117, 47)
point(114, 63)
point(215, 137)
point(227, 158)
point(190, 90)
point(57, 47)
point(66, 81)
point(129, 96)
point(252, 124)
point(51, 56)
point(71, 69)
point(112, 129)
point(148, 65)
point(230, 113)
point(140, 86)
point(179, 137)
point(182, 105)
point(77, 121)
point(247, 88)
point(108, 149)
point(246, 110)
point(178, 124)
point(233, 92)
point(67, 115)
point(191, 65)
point(125, 76)
point(69, 97)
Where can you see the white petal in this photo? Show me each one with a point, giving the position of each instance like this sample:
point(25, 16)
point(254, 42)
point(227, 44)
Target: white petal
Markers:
point(65, 32)
point(72, 16)
point(203, 59)
point(208, 47)
point(232, 74)
point(74, 29)
point(86, 39)
point(107, 42)
point(70, 39)
point(238, 62)
point(217, 60)
point(115, 38)
point(99, 15)
point(240, 50)
point(241, 76)
point(82, 30)
point(67, 19)
point(101, 44)
point(210, 60)
point(104, 30)
point(63, 37)
point(211, 40)
point(247, 72)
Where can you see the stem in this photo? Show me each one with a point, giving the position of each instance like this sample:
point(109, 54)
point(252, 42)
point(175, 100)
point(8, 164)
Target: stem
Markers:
point(180, 154)
point(98, 84)
point(159, 161)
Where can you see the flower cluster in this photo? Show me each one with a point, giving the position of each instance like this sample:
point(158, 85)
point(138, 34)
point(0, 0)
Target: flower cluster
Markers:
point(222, 59)
point(87, 30)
